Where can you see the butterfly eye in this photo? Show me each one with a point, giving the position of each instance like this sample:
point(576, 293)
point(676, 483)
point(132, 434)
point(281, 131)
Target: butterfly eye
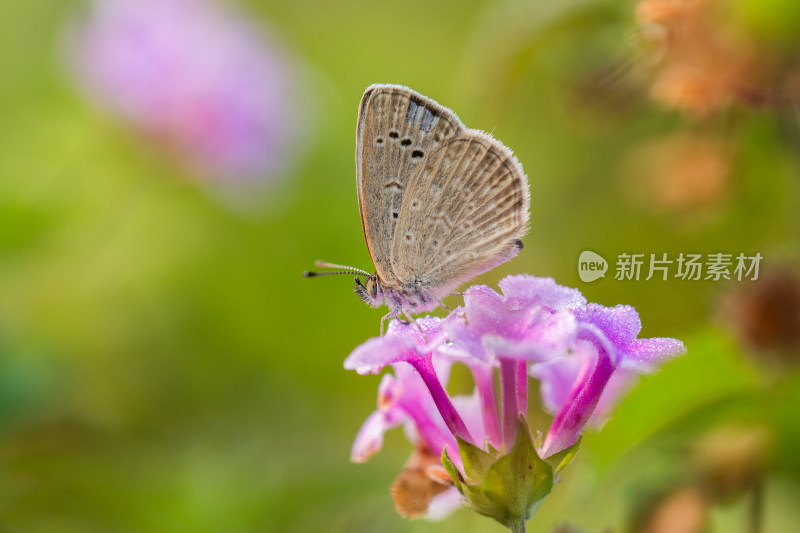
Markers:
point(372, 288)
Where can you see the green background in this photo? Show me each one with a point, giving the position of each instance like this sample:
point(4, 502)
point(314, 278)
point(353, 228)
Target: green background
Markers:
point(165, 367)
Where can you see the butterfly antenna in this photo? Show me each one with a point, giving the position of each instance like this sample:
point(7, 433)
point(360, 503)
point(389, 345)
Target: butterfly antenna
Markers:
point(325, 264)
point(310, 274)
point(343, 269)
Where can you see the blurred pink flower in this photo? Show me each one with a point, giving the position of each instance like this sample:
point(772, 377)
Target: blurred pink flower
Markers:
point(197, 78)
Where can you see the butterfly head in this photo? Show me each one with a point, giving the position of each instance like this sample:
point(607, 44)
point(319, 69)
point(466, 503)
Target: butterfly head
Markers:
point(370, 291)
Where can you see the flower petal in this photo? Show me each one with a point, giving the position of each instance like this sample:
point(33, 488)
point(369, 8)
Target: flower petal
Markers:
point(593, 334)
point(376, 353)
point(619, 324)
point(486, 311)
point(471, 411)
point(544, 291)
point(442, 505)
point(556, 332)
point(557, 378)
point(369, 440)
point(467, 339)
point(620, 383)
point(497, 347)
point(645, 355)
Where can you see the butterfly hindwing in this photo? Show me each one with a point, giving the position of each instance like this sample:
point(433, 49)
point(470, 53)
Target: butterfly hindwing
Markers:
point(462, 213)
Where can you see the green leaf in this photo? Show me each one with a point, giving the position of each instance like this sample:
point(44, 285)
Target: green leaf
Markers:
point(561, 459)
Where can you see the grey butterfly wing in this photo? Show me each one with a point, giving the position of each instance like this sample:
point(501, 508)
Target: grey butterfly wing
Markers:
point(396, 127)
point(462, 214)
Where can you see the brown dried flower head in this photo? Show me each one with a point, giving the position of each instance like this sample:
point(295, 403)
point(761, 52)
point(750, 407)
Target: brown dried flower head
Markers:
point(418, 483)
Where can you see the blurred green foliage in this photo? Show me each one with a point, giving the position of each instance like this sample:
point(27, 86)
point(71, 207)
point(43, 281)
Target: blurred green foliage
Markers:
point(164, 367)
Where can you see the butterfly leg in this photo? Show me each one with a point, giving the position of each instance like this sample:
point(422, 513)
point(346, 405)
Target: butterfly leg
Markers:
point(441, 304)
point(456, 294)
point(390, 315)
point(460, 311)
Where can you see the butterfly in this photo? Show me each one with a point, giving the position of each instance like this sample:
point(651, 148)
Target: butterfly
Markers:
point(440, 203)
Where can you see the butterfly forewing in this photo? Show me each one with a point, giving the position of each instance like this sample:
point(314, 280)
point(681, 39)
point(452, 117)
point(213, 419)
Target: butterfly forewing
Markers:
point(462, 213)
point(398, 129)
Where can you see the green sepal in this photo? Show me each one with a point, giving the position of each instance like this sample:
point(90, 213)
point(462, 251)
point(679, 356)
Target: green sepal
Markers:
point(473, 494)
point(520, 479)
point(452, 471)
point(494, 452)
point(476, 461)
point(561, 459)
point(509, 488)
point(537, 441)
point(482, 504)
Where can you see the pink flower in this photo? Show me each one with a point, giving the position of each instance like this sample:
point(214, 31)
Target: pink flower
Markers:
point(403, 399)
point(416, 345)
point(415, 397)
point(609, 353)
point(196, 78)
point(529, 322)
point(584, 355)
